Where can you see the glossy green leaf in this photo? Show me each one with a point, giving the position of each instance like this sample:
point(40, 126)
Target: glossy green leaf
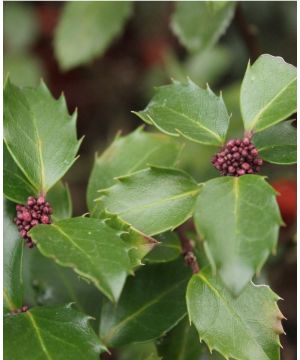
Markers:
point(181, 343)
point(278, 144)
point(169, 248)
point(60, 200)
point(128, 154)
point(268, 92)
point(152, 200)
point(46, 333)
point(151, 303)
point(12, 261)
point(15, 185)
point(188, 110)
point(238, 218)
point(199, 25)
point(241, 328)
point(93, 25)
point(92, 248)
point(39, 134)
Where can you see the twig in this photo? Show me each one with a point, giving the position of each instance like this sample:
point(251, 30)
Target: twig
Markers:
point(188, 250)
point(247, 32)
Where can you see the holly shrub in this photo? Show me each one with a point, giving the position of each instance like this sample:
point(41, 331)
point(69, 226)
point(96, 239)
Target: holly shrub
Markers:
point(159, 256)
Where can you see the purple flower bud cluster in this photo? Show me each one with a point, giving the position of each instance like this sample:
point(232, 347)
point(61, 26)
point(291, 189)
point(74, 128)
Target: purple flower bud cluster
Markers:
point(20, 310)
point(36, 211)
point(238, 157)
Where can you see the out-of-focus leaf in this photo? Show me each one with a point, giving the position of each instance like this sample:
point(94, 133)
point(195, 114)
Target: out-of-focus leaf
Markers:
point(199, 25)
point(20, 26)
point(45, 333)
point(181, 343)
point(238, 218)
point(153, 200)
point(278, 144)
point(93, 25)
point(151, 304)
point(169, 249)
point(12, 258)
point(23, 69)
point(268, 92)
point(244, 327)
point(128, 154)
point(92, 248)
point(39, 134)
point(188, 110)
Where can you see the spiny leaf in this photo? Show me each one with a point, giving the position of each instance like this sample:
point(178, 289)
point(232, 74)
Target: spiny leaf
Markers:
point(278, 144)
point(12, 257)
point(153, 200)
point(181, 343)
point(268, 92)
point(46, 333)
point(199, 25)
point(92, 248)
point(238, 218)
point(127, 154)
point(93, 25)
point(151, 303)
point(60, 200)
point(241, 328)
point(186, 109)
point(168, 249)
point(40, 134)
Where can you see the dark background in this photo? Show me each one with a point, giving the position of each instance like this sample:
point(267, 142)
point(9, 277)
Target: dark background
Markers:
point(147, 54)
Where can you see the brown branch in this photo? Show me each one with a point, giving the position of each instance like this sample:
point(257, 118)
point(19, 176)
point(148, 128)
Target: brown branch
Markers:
point(247, 32)
point(188, 250)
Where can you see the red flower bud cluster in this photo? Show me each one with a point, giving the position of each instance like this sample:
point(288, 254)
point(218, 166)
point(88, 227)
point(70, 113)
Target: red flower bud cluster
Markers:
point(20, 310)
point(36, 211)
point(238, 157)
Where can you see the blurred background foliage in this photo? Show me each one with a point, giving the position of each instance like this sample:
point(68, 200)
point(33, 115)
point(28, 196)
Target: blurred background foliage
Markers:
point(140, 55)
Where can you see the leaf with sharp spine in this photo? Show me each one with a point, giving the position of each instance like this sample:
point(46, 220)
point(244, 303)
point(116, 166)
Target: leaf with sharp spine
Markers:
point(268, 92)
point(242, 328)
point(40, 134)
point(57, 332)
point(153, 200)
point(238, 218)
point(128, 154)
point(96, 251)
point(188, 110)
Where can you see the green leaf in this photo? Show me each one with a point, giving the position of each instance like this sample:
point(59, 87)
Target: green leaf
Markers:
point(151, 304)
point(242, 328)
point(12, 258)
point(127, 154)
point(168, 250)
point(47, 333)
point(15, 185)
point(199, 25)
point(139, 351)
point(152, 200)
point(60, 200)
point(278, 144)
point(268, 93)
point(92, 248)
point(238, 218)
point(186, 109)
point(39, 134)
point(46, 283)
point(181, 343)
point(93, 25)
